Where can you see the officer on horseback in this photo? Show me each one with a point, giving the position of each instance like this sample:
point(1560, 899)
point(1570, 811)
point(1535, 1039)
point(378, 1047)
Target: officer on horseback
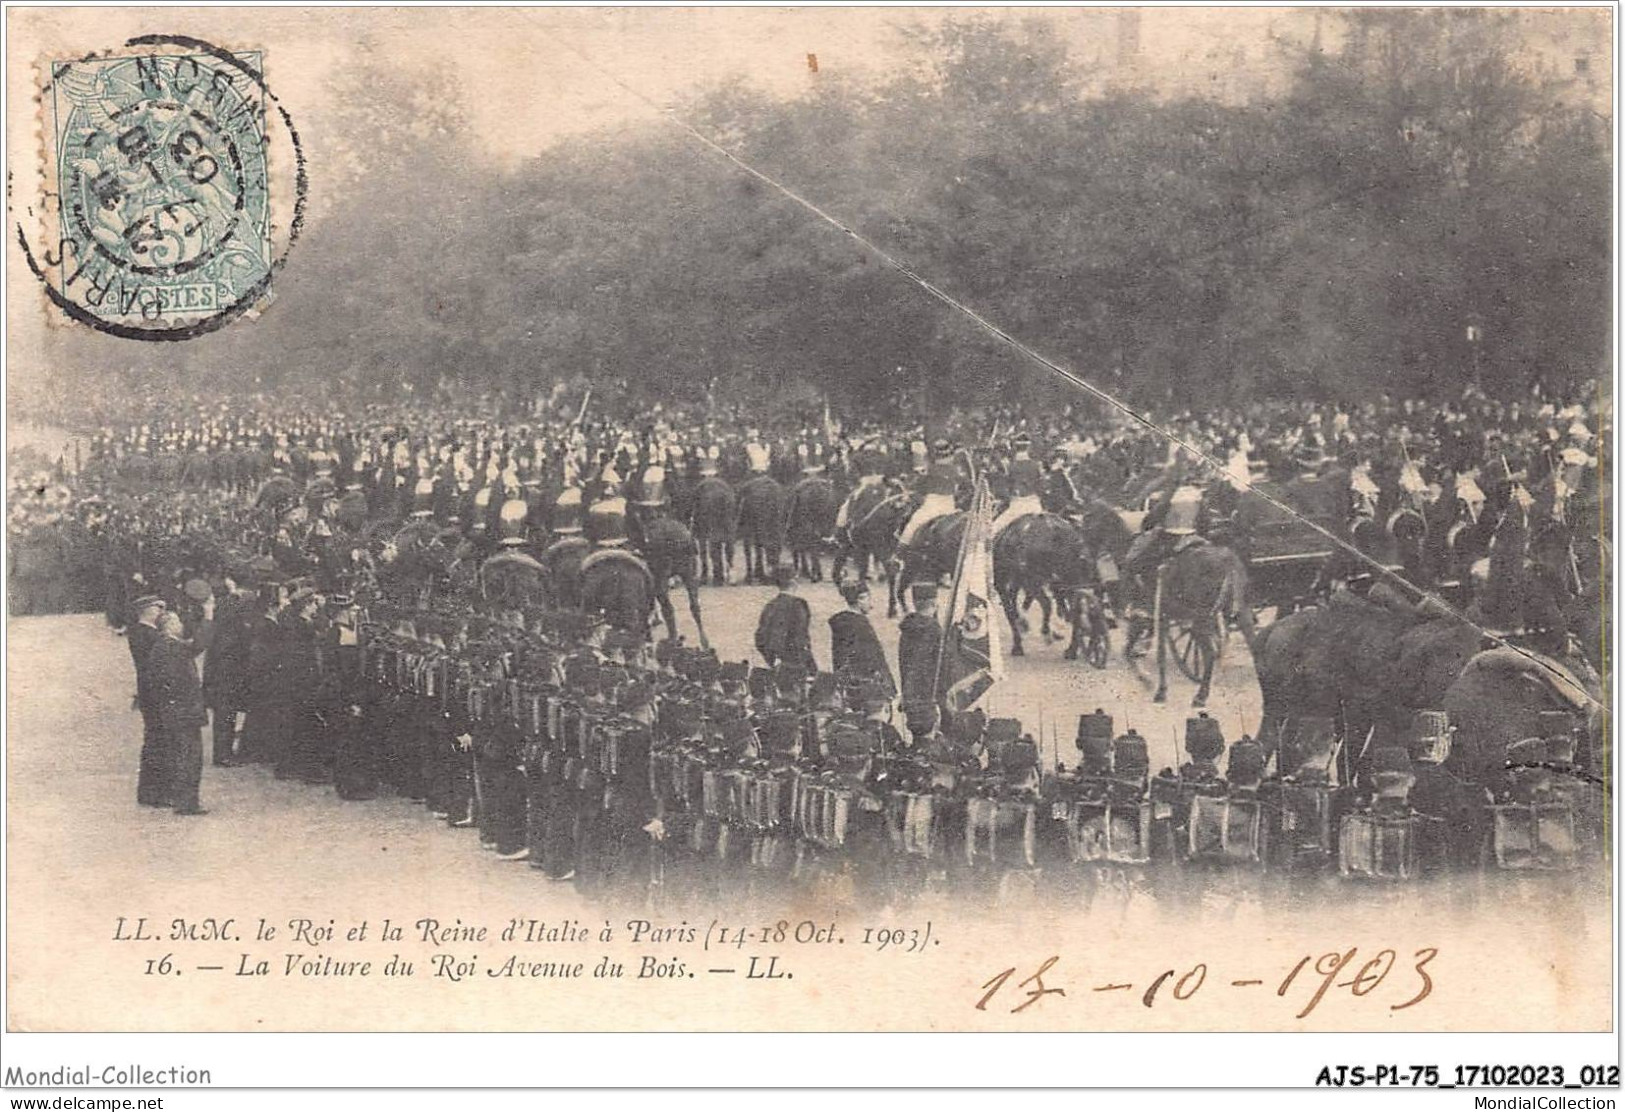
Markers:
point(1058, 495)
point(1170, 527)
point(938, 486)
point(1025, 482)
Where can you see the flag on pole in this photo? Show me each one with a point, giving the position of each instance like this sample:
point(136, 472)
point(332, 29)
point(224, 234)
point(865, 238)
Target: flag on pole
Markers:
point(972, 659)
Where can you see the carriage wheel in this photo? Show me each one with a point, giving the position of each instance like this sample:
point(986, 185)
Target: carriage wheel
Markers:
point(1191, 651)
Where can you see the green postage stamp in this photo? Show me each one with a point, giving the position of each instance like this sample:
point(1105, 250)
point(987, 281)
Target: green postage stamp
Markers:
point(159, 186)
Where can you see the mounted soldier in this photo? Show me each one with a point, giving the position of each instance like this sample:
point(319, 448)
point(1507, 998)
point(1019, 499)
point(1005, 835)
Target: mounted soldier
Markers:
point(1057, 494)
point(1025, 481)
point(937, 486)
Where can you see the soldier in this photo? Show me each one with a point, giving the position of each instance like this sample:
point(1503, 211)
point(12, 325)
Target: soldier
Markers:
point(153, 781)
point(782, 633)
point(855, 652)
point(1025, 485)
point(1168, 529)
point(1058, 495)
point(938, 486)
point(225, 671)
point(919, 647)
point(179, 696)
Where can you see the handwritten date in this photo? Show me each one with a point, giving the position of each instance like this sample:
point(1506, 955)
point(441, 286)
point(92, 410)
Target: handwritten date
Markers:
point(1309, 981)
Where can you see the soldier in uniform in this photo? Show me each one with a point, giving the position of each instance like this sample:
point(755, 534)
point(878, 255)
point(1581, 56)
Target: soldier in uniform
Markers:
point(855, 652)
point(1058, 495)
point(919, 648)
point(225, 671)
point(782, 633)
point(179, 695)
point(938, 486)
point(1168, 529)
point(1025, 482)
point(153, 781)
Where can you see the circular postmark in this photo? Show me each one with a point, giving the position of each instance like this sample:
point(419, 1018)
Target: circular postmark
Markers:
point(161, 212)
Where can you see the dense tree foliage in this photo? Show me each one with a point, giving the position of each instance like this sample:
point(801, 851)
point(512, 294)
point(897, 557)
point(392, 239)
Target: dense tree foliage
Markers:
point(1414, 180)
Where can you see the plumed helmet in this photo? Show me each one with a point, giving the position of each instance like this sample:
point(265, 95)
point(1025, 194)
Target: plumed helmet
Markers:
point(511, 521)
point(606, 521)
point(567, 512)
point(652, 488)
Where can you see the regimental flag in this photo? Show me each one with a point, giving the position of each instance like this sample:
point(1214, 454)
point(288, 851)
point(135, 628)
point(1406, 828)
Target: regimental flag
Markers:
point(972, 659)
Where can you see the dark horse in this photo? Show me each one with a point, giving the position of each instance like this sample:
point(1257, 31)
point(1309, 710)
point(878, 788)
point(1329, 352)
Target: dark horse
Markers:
point(671, 553)
point(1195, 592)
point(813, 506)
point(619, 587)
point(874, 518)
point(764, 507)
point(713, 522)
point(1045, 556)
point(1040, 556)
point(562, 560)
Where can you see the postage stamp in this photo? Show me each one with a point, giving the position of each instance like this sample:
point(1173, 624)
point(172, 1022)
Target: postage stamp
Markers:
point(159, 215)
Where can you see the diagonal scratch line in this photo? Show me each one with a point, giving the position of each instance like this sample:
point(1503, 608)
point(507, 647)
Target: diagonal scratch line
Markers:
point(1075, 379)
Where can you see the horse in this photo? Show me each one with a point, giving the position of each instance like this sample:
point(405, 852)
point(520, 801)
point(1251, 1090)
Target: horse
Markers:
point(1108, 537)
point(875, 517)
point(932, 556)
point(671, 553)
point(1045, 556)
point(618, 586)
point(1198, 589)
point(763, 516)
point(562, 559)
point(813, 506)
point(713, 521)
point(514, 579)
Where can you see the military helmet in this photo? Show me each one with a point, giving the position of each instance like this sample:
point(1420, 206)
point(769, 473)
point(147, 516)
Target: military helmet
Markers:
point(652, 489)
point(606, 521)
point(511, 520)
point(567, 512)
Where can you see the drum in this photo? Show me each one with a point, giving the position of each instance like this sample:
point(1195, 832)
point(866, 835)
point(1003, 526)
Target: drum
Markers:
point(533, 713)
point(1379, 847)
point(1226, 830)
point(837, 816)
point(609, 751)
point(1301, 829)
point(1538, 835)
point(713, 802)
point(1116, 832)
point(1001, 833)
point(911, 821)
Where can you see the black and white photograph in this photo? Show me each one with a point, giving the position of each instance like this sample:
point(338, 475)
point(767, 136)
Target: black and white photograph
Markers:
point(812, 519)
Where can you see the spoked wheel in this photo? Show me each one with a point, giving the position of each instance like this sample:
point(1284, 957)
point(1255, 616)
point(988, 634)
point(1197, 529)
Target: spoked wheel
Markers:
point(1191, 650)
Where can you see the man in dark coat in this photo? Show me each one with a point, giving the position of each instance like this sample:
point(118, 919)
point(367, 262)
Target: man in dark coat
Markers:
point(152, 782)
point(173, 666)
point(225, 672)
point(918, 648)
point(782, 634)
point(856, 654)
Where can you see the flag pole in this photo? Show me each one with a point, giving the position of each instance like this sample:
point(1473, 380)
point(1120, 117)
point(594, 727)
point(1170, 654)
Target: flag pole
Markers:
point(948, 611)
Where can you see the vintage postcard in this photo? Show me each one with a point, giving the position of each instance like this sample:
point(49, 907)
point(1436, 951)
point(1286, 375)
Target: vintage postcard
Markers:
point(811, 520)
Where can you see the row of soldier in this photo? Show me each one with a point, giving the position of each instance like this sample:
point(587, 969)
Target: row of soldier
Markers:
point(622, 767)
